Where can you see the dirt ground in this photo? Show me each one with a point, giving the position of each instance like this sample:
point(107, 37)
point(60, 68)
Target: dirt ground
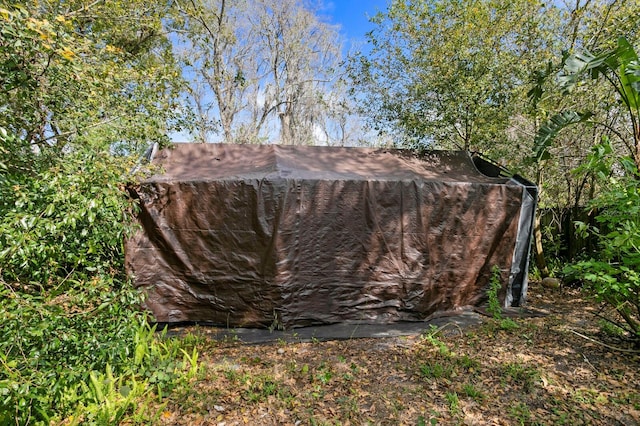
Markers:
point(549, 369)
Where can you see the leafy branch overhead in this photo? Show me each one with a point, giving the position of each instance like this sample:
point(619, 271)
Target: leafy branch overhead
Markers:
point(620, 68)
point(550, 129)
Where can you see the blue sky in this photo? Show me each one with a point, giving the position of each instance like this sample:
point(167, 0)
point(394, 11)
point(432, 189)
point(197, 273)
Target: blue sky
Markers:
point(353, 17)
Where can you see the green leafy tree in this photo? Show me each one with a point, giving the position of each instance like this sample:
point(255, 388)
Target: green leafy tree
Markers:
point(593, 108)
point(80, 84)
point(451, 73)
point(73, 74)
point(455, 74)
point(76, 88)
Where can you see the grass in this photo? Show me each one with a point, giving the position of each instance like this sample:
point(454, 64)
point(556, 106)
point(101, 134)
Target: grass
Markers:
point(520, 413)
point(494, 305)
point(436, 370)
point(454, 403)
point(520, 375)
point(472, 392)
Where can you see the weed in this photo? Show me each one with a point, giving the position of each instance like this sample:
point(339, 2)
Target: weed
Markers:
point(292, 366)
point(454, 403)
point(231, 337)
point(261, 387)
point(253, 361)
point(611, 329)
point(472, 392)
point(468, 363)
point(194, 339)
point(231, 375)
point(108, 363)
point(349, 406)
point(494, 306)
point(435, 370)
point(422, 421)
point(527, 338)
point(431, 337)
point(193, 399)
point(527, 377)
point(314, 422)
point(563, 419)
point(521, 413)
point(318, 392)
point(589, 396)
point(632, 399)
point(324, 374)
point(507, 324)
point(276, 324)
point(397, 406)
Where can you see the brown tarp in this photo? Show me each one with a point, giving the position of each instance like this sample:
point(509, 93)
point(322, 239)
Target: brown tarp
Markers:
point(247, 235)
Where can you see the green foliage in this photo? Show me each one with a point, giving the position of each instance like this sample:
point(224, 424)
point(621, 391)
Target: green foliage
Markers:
point(612, 272)
point(472, 392)
point(85, 353)
point(436, 370)
point(76, 75)
point(79, 84)
point(454, 403)
point(521, 375)
point(73, 340)
point(68, 218)
point(495, 307)
point(259, 388)
point(520, 413)
point(620, 69)
point(611, 329)
point(550, 129)
point(431, 337)
point(450, 74)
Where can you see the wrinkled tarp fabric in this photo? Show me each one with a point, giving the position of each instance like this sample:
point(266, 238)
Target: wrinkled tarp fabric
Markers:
point(245, 235)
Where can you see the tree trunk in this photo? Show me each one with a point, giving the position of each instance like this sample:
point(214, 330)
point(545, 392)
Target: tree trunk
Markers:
point(286, 128)
point(541, 263)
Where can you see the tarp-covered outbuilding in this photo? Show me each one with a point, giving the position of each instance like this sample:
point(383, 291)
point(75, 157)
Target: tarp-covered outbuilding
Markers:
point(248, 235)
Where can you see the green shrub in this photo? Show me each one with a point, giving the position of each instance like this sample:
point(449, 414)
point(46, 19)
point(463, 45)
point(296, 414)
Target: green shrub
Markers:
point(612, 272)
point(74, 343)
point(67, 220)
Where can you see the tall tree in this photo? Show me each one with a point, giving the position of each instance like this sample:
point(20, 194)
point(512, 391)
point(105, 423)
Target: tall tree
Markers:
point(79, 81)
point(301, 56)
point(73, 72)
point(450, 73)
point(269, 70)
point(217, 46)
